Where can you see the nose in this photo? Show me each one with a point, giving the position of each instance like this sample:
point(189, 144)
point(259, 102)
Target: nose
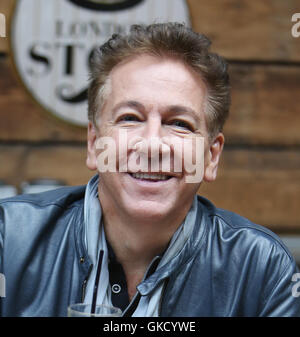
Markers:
point(154, 145)
point(155, 135)
point(153, 127)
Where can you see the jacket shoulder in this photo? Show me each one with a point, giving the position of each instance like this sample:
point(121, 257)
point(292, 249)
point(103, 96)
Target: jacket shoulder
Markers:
point(245, 228)
point(61, 197)
point(29, 213)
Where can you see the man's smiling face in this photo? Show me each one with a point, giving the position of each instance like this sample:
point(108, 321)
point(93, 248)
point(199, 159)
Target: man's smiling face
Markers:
point(149, 98)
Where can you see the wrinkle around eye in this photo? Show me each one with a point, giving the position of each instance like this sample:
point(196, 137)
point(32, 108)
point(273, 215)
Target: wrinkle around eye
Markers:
point(185, 128)
point(179, 132)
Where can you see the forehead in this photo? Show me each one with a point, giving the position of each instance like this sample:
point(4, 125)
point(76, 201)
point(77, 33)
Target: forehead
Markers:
point(159, 80)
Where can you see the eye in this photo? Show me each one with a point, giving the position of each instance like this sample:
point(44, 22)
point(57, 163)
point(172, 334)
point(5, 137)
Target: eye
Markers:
point(128, 118)
point(182, 125)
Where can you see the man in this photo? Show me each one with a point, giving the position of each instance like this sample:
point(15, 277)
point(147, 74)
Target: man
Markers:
point(138, 233)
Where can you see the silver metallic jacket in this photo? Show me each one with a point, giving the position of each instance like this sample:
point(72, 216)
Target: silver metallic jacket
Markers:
point(228, 267)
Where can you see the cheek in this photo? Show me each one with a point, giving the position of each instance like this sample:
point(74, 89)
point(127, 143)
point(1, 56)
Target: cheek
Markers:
point(193, 151)
point(114, 149)
point(106, 149)
point(207, 156)
point(129, 146)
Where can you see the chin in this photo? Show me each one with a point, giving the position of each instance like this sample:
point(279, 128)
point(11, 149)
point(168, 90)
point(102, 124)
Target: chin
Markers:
point(150, 210)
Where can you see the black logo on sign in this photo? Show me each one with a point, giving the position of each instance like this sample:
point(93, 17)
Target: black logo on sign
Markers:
point(112, 5)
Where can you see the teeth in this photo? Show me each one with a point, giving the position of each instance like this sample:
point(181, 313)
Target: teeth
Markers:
point(149, 176)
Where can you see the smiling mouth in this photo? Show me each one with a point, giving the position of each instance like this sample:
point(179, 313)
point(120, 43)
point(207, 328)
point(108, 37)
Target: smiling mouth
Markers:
point(151, 176)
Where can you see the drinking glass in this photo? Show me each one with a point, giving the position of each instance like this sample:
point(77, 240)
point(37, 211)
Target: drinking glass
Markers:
point(85, 310)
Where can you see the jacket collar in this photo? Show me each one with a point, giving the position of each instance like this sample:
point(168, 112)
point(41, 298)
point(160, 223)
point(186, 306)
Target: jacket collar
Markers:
point(191, 246)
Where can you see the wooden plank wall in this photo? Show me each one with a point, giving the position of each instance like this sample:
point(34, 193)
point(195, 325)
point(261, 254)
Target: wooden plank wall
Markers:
point(259, 176)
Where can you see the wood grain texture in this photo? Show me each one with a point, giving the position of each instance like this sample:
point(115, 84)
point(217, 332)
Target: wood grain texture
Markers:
point(265, 105)
point(239, 29)
point(244, 30)
point(20, 163)
point(263, 186)
point(6, 9)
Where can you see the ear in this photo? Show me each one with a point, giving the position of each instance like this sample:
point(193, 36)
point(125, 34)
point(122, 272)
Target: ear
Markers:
point(91, 160)
point(213, 157)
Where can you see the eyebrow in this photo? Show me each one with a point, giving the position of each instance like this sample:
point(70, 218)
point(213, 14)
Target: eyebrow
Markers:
point(177, 109)
point(129, 104)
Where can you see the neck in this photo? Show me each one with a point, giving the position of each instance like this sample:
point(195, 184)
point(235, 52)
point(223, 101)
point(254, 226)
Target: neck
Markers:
point(135, 246)
point(136, 243)
point(136, 240)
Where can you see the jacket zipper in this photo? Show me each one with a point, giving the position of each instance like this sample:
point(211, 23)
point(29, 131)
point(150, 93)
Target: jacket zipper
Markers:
point(85, 283)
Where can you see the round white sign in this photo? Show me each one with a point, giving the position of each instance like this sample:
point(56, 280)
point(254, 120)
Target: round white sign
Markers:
point(52, 43)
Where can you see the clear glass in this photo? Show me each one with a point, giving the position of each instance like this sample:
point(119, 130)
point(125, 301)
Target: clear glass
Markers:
point(84, 310)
